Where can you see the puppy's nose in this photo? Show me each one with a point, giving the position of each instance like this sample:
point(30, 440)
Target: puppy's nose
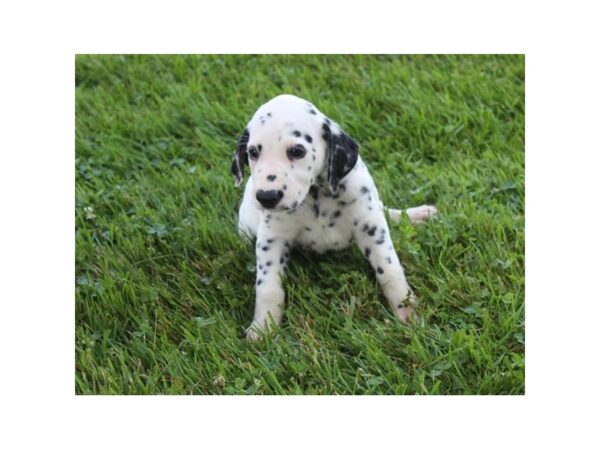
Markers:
point(269, 198)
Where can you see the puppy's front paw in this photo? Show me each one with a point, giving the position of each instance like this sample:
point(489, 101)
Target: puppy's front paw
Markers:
point(257, 330)
point(405, 311)
point(421, 214)
point(252, 333)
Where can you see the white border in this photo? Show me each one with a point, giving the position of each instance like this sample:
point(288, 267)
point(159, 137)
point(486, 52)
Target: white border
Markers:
point(37, 244)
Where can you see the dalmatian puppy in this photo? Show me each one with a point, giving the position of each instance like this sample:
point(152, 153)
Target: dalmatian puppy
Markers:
point(309, 187)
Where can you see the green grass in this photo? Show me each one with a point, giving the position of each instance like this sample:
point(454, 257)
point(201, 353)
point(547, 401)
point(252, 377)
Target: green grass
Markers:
point(164, 286)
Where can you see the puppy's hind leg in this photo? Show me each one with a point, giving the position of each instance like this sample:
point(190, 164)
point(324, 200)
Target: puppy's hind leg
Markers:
point(416, 215)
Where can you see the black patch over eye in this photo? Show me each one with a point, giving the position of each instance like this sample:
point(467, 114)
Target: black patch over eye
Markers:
point(253, 153)
point(296, 152)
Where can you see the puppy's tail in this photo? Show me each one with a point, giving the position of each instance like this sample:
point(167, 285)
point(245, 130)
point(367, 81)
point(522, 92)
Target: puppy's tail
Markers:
point(416, 215)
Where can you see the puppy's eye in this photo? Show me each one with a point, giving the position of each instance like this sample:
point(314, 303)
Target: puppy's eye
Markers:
point(253, 153)
point(297, 152)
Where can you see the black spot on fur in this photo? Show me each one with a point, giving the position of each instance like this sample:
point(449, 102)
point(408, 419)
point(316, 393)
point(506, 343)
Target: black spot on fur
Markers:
point(314, 192)
point(309, 167)
point(265, 248)
point(355, 222)
point(364, 190)
point(297, 133)
point(379, 270)
point(336, 214)
point(331, 224)
point(312, 111)
point(370, 231)
point(367, 251)
point(265, 272)
point(268, 263)
point(388, 259)
point(314, 157)
point(258, 281)
point(400, 306)
point(316, 210)
point(281, 260)
point(284, 187)
point(260, 267)
point(269, 241)
point(308, 228)
point(308, 138)
point(271, 177)
point(269, 114)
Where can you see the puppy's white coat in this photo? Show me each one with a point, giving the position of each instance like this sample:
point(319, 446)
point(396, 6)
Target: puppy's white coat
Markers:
point(310, 188)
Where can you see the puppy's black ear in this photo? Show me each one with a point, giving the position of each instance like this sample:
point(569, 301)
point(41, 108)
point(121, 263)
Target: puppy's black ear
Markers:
point(342, 154)
point(240, 158)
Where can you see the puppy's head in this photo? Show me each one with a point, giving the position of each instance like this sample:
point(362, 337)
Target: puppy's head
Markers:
point(288, 144)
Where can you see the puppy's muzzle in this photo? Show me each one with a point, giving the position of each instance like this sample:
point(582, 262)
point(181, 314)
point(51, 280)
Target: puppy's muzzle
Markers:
point(269, 199)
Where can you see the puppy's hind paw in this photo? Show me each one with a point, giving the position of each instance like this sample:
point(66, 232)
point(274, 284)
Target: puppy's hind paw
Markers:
point(421, 214)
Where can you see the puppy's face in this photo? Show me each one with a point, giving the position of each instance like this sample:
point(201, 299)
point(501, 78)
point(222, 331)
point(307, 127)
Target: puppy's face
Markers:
point(285, 151)
point(283, 157)
point(287, 144)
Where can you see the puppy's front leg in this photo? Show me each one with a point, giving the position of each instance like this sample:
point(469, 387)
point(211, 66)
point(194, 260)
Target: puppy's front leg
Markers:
point(373, 238)
point(272, 254)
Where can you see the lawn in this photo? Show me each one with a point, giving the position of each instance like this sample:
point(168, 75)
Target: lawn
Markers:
point(164, 286)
